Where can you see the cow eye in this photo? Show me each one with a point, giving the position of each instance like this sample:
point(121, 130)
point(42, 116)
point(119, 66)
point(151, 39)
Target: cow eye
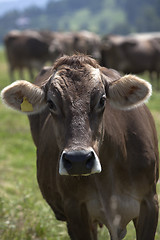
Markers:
point(102, 101)
point(51, 105)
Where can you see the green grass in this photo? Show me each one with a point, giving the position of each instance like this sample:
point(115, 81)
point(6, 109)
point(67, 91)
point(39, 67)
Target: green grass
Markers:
point(24, 215)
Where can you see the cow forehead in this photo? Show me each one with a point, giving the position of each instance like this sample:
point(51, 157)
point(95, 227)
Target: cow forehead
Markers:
point(83, 78)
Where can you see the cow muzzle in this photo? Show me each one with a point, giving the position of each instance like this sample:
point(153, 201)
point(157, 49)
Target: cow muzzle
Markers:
point(79, 163)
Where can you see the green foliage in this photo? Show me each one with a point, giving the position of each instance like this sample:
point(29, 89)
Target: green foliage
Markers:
point(24, 215)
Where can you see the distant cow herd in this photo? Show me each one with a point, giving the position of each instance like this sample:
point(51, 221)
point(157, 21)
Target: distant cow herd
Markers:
point(32, 49)
point(134, 53)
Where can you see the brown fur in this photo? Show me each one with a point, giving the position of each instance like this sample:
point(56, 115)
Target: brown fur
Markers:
point(26, 50)
point(124, 141)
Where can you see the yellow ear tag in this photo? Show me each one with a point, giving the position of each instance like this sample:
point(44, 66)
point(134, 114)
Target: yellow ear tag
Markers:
point(26, 106)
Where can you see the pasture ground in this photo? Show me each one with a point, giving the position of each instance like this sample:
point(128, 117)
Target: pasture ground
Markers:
point(24, 215)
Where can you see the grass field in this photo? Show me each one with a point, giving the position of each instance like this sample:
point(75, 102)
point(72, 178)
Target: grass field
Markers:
point(24, 215)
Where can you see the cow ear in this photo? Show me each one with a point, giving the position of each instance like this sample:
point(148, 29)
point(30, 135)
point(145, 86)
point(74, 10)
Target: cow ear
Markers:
point(24, 97)
point(128, 92)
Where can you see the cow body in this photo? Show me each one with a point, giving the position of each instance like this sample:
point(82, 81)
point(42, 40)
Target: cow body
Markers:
point(26, 50)
point(31, 49)
point(132, 53)
point(76, 42)
point(96, 164)
point(114, 197)
point(88, 43)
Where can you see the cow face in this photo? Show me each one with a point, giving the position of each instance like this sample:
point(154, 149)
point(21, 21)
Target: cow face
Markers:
point(76, 99)
point(75, 92)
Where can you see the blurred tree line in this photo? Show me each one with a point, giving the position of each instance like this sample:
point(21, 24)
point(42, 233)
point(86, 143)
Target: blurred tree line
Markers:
point(100, 16)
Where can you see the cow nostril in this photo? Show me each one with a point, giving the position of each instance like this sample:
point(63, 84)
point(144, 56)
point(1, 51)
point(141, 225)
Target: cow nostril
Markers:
point(90, 160)
point(66, 162)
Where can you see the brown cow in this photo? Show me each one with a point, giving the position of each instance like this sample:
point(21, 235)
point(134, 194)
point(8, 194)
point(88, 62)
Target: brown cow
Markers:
point(88, 43)
point(72, 42)
point(97, 148)
point(132, 53)
point(27, 49)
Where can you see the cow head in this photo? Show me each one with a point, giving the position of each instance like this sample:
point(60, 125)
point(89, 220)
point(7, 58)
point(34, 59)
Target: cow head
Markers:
point(75, 91)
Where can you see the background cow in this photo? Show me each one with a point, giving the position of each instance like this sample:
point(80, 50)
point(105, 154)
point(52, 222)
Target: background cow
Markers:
point(25, 50)
point(88, 43)
point(132, 53)
point(77, 42)
point(32, 49)
point(97, 148)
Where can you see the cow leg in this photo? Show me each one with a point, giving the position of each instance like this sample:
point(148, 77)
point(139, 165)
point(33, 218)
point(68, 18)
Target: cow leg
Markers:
point(146, 223)
point(79, 225)
point(151, 76)
point(118, 235)
point(11, 70)
point(21, 73)
point(80, 232)
point(158, 79)
point(31, 75)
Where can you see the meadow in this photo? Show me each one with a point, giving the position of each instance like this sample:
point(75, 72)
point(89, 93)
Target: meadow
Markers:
point(24, 214)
